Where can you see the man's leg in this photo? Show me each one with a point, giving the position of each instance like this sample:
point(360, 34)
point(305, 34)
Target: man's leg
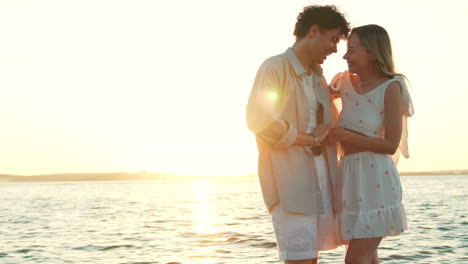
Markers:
point(361, 251)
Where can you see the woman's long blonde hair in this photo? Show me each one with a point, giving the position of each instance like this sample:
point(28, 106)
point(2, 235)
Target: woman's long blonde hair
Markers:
point(377, 42)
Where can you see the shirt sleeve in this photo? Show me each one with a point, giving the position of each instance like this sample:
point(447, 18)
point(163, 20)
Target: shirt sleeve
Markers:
point(263, 107)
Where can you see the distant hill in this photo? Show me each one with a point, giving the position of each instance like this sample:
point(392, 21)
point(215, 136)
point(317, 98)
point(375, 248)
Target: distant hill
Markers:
point(127, 176)
point(115, 176)
point(71, 177)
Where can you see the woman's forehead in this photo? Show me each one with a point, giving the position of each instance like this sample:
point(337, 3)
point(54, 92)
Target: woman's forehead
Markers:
point(353, 40)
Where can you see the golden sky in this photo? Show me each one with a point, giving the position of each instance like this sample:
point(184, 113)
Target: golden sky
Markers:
point(102, 86)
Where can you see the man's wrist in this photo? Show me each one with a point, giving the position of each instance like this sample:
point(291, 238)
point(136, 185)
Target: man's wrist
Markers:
point(316, 140)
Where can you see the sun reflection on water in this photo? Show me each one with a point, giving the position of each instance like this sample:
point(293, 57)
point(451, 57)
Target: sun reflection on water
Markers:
point(203, 218)
point(202, 209)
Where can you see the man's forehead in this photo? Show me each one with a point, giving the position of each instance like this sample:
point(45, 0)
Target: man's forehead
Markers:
point(335, 33)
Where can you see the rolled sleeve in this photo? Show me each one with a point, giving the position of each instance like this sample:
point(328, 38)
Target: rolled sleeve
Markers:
point(288, 138)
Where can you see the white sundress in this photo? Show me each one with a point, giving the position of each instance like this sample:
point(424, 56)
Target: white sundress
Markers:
point(371, 194)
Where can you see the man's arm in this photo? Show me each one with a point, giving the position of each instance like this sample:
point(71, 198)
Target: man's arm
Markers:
point(262, 112)
point(262, 109)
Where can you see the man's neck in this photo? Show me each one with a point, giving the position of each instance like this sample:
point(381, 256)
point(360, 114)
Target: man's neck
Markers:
point(302, 55)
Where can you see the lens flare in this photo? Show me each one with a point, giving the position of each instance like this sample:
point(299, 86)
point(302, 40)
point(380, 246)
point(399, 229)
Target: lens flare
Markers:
point(272, 96)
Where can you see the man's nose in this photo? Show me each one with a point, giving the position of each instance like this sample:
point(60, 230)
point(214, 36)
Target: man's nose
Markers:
point(334, 48)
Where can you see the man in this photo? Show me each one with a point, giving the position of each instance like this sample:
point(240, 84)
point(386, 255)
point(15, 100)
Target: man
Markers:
point(290, 112)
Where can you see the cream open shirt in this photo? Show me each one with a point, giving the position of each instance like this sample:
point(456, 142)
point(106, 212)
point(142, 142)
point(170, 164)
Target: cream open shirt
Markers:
point(277, 109)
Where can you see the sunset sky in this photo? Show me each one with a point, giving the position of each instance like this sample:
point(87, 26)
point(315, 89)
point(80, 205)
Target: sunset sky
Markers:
point(105, 86)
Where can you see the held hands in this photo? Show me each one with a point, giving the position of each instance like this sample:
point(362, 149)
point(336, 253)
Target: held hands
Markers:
point(321, 132)
point(329, 133)
point(337, 133)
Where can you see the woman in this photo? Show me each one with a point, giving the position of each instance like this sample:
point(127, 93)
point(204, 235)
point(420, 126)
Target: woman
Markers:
point(375, 106)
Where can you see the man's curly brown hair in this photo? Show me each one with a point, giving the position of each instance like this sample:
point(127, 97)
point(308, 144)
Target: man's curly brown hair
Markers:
point(326, 17)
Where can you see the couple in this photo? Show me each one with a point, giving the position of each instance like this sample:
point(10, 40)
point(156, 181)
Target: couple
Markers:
point(328, 178)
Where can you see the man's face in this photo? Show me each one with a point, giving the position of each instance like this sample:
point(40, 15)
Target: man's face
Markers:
point(323, 43)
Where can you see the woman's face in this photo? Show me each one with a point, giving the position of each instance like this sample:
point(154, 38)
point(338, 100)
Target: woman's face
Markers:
point(358, 58)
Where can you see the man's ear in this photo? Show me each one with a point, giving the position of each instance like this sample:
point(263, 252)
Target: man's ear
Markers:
point(314, 30)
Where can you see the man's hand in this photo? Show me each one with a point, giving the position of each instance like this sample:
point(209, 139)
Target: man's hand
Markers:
point(321, 132)
point(334, 82)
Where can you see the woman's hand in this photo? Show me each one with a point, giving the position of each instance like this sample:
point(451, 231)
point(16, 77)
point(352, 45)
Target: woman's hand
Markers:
point(338, 134)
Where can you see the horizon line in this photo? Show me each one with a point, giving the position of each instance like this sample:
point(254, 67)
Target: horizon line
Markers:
point(144, 172)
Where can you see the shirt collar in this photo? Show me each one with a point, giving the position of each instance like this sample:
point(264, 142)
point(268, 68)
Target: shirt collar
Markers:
point(294, 61)
point(297, 64)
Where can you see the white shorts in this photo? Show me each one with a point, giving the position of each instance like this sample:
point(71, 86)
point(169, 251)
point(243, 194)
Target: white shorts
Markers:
point(301, 236)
